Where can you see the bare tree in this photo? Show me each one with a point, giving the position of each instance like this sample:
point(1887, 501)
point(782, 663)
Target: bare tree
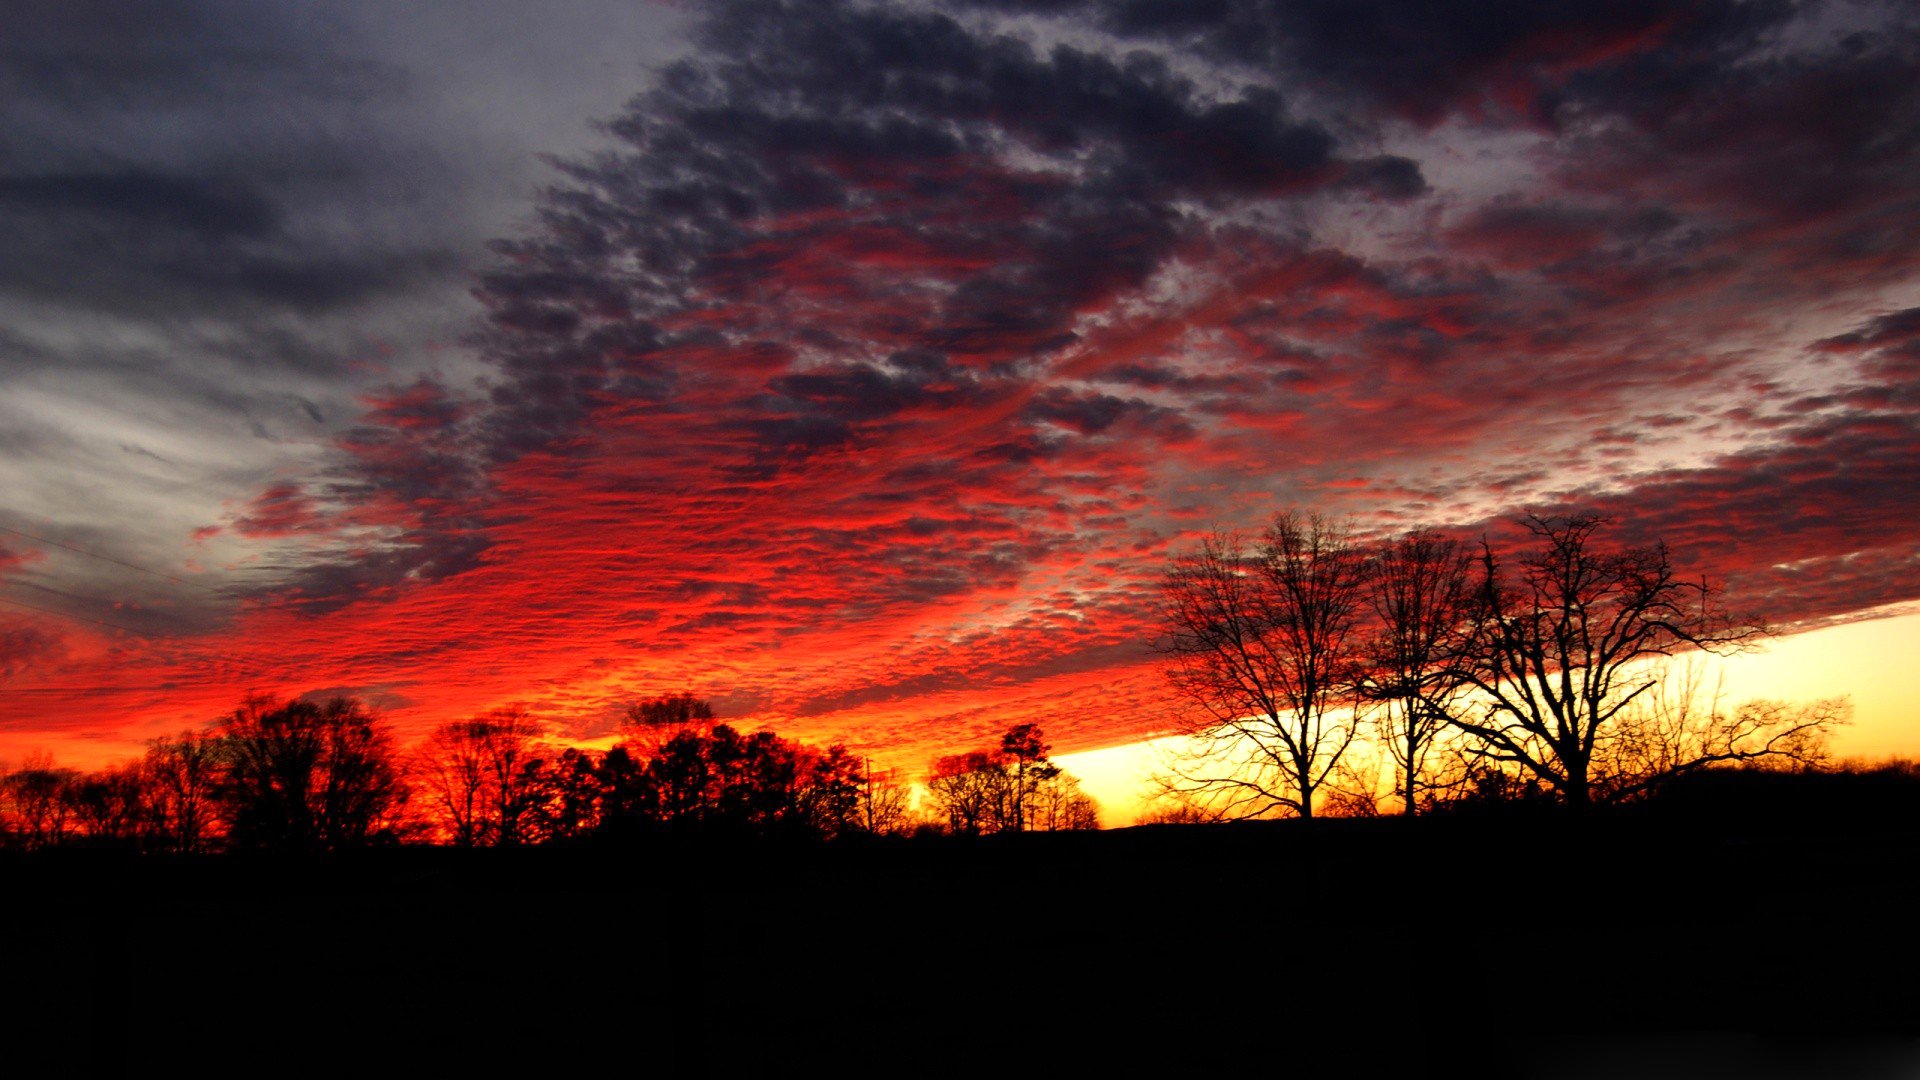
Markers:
point(450, 771)
point(1684, 723)
point(1559, 647)
point(483, 777)
point(1013, 788)
point(967, 790)
point(183, 779)
point(886, 802)
point(111, 805)
point(1265, 642)
point(1058, 805)
point(39, 800)
point(828, 791)
point(1421, 589)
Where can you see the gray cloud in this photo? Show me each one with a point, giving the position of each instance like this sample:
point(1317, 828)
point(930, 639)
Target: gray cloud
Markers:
point(236, 220)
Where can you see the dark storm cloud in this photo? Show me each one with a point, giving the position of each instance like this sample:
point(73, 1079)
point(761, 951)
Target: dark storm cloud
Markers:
point(1144, 125)
point(1499, 61)
point(409, 475)
point(800, 126)
point(1818, 522)
point(1816, 152)
point(832, 403)
point(211, 210)
point(822, 184)
point(200, 159)
point(835, 181)
point(1094, 414)
point(1896, 335)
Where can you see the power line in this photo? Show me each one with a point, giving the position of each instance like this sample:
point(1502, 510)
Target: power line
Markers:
point(108, 558)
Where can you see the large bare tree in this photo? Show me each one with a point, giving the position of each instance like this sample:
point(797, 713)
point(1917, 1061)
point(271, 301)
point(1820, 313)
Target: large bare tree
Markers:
point(1562, 644)
point(1264, 640)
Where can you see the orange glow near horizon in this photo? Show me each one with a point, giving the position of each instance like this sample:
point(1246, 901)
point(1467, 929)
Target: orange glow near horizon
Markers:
point(1860, 660)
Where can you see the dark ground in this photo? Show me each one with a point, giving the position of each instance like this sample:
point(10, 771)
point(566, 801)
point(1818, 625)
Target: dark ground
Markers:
point(1724, 934)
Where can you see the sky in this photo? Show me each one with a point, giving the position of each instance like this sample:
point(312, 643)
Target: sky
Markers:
point(860, 366)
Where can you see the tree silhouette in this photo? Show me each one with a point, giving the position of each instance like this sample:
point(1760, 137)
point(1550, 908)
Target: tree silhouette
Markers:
point(39, 800)
point(1264, 641)
point(183, 780)
point(715, 780)
point(111, 805)
point(574, 795)
point(968, 790)
point(885, 802)
point(830, 792)
point(651, 724)
point(1027, 768)
point(626, 796)
point(1681, 725)
point(307, 776)
point(483, 779)
point(1058, 805)
point(1010, 789)
point(1420, 588)
point(1557, 648)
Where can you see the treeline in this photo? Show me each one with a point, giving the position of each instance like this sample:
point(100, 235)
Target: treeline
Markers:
point(312, 776)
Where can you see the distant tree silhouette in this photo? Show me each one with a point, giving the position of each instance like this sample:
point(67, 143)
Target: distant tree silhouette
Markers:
point(39, 798)
point(307, 776)
point(183, 776)
point(450, 773)
point(967, 791)
point(1173, 811)
point(716, 780)
point(111, 805)
point(1009, 789)
point(574, 791)
point(626, 799)
point(830, 790)
point(1680, 726)
point(885, 802)
point(483, 779)
point(1494, 784)
point(1058, 805)
point(1024, 753)
point(651, 724)
point(1265, 641)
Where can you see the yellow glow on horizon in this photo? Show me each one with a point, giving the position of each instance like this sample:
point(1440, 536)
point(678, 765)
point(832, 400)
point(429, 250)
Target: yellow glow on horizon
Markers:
point(1869, 662)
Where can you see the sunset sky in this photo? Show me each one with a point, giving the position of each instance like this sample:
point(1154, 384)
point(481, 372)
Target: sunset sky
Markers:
point(859, 366)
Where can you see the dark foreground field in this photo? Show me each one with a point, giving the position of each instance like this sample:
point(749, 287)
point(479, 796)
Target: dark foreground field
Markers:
point(1723, 936)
